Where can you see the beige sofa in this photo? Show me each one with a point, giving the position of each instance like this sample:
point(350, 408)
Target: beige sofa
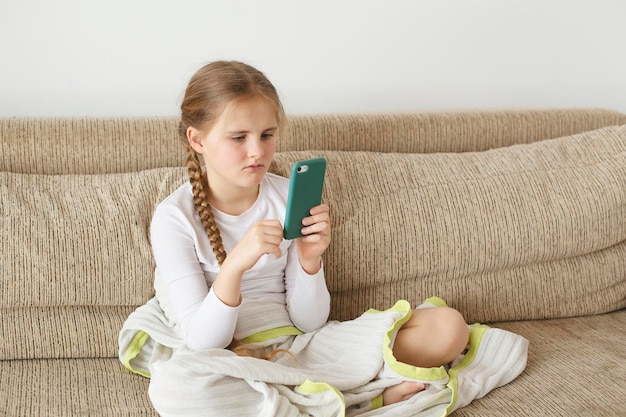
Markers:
point(476, 207)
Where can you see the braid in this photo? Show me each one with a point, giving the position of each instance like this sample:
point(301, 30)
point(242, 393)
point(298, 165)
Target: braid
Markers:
point(200, 188)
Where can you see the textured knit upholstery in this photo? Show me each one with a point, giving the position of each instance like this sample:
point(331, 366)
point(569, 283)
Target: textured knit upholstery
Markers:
point(477, 207)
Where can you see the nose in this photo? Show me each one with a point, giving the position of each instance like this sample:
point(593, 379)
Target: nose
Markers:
point(255, 147)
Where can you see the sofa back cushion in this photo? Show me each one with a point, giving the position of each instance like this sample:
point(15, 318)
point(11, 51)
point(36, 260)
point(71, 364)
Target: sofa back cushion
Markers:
point(523, 232)
point(75, 258)
point(126, 144)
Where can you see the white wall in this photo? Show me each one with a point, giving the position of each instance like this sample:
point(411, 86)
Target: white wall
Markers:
point(134, 57)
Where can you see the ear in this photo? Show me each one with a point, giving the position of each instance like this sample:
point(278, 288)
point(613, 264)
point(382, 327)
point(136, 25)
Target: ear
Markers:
point(194, 136)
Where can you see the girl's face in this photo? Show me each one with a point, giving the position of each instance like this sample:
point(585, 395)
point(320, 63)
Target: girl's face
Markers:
point(239, 147)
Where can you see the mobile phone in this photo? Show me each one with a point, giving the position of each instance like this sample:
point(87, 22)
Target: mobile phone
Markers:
point(305, 192)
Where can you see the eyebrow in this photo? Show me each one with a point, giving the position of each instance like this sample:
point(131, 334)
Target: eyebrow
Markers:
point(235, 132)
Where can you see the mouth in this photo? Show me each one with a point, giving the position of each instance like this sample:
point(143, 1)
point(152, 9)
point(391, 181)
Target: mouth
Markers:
point(255, 167)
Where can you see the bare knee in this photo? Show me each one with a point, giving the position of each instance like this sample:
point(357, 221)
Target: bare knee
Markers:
point(432, 337)
point(454, 334)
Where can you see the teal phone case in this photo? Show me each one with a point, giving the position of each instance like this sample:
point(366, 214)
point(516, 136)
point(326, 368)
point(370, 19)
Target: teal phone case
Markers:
point(305, 192)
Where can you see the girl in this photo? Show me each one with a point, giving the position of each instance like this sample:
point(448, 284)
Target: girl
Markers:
point(219, 247)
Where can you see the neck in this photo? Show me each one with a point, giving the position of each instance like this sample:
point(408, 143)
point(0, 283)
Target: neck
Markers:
point(233, 202)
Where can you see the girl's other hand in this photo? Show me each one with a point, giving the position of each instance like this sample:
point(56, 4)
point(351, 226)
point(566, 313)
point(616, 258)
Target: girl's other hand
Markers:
point(316, 238)
point(263, 238)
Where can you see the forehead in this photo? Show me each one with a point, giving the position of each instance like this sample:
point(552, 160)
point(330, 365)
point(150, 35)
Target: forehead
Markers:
point(254, 111)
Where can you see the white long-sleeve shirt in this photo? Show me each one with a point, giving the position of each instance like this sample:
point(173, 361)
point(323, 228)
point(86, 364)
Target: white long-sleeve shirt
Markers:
point(187, 267)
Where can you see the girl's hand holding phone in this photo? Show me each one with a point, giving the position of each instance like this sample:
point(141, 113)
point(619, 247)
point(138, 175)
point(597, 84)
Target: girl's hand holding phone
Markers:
point(316, 239)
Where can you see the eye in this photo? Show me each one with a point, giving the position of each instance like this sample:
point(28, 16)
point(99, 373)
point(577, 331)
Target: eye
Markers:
point(238, 138)
point(267, 135)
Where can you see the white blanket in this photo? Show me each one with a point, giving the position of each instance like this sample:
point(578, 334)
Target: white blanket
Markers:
point(339, 370)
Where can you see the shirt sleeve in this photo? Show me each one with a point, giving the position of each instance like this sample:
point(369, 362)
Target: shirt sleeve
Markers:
point(307, 296)
point(205, 321)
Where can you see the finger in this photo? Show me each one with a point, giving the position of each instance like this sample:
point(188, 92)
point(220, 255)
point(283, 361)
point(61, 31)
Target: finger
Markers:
point(273, 232)
point(317, 218)
point(311, 238)
point(274, 223)
point(321, 228)
point(270, 228)
point(272, 249)
point(320, 208)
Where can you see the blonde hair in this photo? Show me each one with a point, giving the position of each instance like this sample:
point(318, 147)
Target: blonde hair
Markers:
point(243, 349)
point(209, 91)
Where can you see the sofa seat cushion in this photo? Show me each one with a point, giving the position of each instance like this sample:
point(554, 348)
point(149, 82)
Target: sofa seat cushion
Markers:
point(575, 367)
point(72, 387)
point(522, 232)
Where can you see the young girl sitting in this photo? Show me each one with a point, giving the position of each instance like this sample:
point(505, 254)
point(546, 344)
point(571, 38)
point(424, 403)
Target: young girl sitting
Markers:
point(226, 278)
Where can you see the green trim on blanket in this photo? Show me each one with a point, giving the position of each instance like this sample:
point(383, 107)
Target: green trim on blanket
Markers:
point(377, 402)
point(436, 301)
point(310, 387)
point(134, 347)
point(269, 334)
point(401, 368)
point(477, 332)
